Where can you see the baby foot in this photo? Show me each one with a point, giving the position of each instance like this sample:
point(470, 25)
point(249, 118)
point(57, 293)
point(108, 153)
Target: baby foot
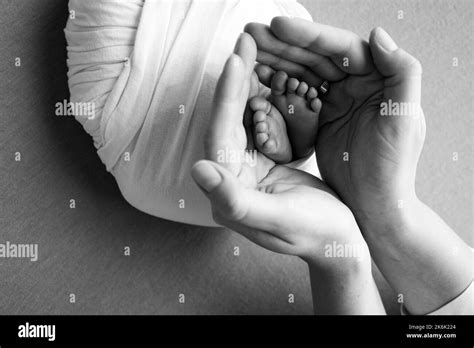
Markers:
point(300, 106)
point(285, 127)
point(270, 134)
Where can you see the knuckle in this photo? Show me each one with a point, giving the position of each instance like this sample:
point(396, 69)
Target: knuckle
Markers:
point(412, 66)
point(415, 66)
point(234, 209)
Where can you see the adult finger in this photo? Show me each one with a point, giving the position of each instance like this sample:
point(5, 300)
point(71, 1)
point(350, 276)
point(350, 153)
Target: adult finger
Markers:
point(231, 96)
point(235, 203)
point(348, 51)
point(246, 48)
point(267, 42)
point(301, 72)
point(401, 70)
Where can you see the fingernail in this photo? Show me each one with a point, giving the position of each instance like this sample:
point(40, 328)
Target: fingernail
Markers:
point(206, 176)
point(237, 43)
point(384, 40)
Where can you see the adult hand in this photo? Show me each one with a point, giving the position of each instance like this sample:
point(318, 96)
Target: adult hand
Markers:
point(281, 209)
point(368, 150)
point(368, 159)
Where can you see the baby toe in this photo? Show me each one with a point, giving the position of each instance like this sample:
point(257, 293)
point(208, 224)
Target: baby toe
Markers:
point(261, 138)
point(260, 104)
point(259, 116)
point(312, 93)
point(279, 83)
point(265, 74)
point(261, 127)
point(316, 105)
point(302, 89)
point(269, 146)
point(292, 85)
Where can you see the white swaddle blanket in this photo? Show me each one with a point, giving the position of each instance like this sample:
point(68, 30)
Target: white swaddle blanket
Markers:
point(150, 67)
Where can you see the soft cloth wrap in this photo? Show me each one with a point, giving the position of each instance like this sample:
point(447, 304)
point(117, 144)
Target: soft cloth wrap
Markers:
point(150, 68)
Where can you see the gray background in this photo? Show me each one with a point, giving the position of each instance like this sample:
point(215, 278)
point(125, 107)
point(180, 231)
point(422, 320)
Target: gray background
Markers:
point(81, 250)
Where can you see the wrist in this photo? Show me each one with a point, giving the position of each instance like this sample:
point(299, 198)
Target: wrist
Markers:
point(344, 288)
point(396, 213)
point(348, 259)
point(418, 254)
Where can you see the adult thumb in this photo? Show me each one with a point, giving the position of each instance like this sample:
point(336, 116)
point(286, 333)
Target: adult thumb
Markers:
point(402, 71)
point(234, 203)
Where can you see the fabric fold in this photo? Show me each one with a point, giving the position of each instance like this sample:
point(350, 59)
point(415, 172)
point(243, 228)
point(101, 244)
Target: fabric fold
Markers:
point(151, 68)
